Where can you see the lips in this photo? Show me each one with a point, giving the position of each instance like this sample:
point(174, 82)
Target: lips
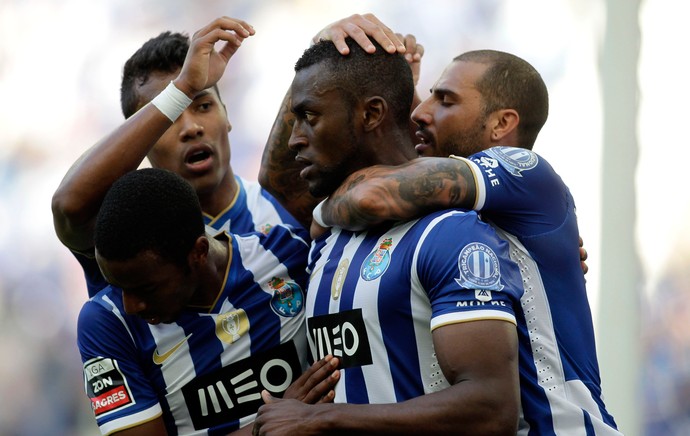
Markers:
point(199, 157)
point(426, 141)
point(306, 163)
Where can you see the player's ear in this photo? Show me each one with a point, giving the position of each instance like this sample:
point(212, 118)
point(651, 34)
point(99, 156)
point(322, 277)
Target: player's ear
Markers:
point(199, 253)
point(503, 124)
point(374, 111)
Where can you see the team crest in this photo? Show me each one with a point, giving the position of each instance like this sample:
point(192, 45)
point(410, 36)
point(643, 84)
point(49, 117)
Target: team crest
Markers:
point(287, 299)
point(266, 228)
point(377, 262)
point(514, 160)
point(479, 269)
point(230, 326)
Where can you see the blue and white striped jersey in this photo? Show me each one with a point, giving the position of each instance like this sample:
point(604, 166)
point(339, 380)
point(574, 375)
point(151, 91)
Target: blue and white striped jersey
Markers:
point(252, 210)
point(375, 297)
point(204, 372)
point(521, 195)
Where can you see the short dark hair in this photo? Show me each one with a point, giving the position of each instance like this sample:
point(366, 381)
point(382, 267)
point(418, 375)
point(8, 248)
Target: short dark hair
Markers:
point(149, 209)
point(511, 82)
point(360, 74)
point(164, 53)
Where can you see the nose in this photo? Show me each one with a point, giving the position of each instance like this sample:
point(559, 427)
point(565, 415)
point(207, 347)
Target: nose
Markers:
point(421, 114)
point(190, 128)
point(297, 139)
point(133, 304)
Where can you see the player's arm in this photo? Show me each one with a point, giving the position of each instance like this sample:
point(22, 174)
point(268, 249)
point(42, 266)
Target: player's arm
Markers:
point(479, 358)
point(279, 172)
point(155, 427)
point(77, 200)
point(382, 193)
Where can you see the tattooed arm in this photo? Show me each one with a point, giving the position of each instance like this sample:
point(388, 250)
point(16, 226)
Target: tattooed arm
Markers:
point(279, 172)
point(382, 193)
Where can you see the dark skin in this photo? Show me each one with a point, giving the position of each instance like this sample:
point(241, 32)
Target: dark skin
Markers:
point(157, 290)
point(279, 172)
point(484, 378)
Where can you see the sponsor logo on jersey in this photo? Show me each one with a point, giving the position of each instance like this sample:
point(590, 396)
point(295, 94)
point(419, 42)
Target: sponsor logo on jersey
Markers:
point(514, 160)
point(230, 326)
point(106, 386)
point(339, 278)
point(234, 391)
point(288, 298)
point(479, 268)
point(341, 334)
point(377, 262)
point(159, 358)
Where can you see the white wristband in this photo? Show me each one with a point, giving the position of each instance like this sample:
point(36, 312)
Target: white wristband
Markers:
point(317, 215)
point(172, 102)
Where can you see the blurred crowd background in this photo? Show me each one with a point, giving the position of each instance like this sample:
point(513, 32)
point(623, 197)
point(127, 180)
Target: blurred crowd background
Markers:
point(60, 68)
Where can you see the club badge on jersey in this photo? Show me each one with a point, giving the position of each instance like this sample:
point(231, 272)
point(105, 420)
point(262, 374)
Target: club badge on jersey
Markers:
point(479, 268)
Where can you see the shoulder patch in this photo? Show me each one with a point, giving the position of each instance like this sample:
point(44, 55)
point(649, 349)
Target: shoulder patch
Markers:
point(106, 386)
point(479, 268)
point(514, 160)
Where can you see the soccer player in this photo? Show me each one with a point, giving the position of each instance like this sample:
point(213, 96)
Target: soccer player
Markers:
point(194, 325)
point(176, 118)
point(486, 99)
point(423, 313)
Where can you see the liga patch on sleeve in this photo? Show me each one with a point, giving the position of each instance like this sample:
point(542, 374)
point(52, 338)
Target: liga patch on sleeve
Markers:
point(106, 386)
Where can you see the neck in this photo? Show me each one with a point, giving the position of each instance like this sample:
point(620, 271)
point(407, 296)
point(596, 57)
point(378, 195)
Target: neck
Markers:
point(218, 198)
point(394, 147)
point(214, 272)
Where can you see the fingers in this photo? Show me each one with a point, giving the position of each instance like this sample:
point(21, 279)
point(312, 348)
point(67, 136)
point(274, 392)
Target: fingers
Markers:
point(267, 397)
point(413, 50)
point(315, 382)
point(230, 30)
point(583, 256)
point(361, 28)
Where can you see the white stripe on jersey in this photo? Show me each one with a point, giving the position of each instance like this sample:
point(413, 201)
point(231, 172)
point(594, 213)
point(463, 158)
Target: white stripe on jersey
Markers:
point(566, 398)
point(131, 420)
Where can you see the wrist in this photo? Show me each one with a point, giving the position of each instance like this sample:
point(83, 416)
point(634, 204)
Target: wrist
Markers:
point(172, 102)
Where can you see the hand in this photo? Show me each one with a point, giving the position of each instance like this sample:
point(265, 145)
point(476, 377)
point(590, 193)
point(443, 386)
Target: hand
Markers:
point(360, 28)
point(316, 384)
point(284, 417)
point(413, 55)
point(204, 65)
point(583, 257)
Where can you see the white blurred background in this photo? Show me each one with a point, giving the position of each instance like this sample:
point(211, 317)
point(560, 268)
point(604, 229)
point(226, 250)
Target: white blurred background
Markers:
point(616, 74)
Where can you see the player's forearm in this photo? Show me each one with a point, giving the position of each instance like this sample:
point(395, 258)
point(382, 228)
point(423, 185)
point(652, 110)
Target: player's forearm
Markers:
point(381, 193)
point(279, 172)
point(458, 410)
point(76, 201)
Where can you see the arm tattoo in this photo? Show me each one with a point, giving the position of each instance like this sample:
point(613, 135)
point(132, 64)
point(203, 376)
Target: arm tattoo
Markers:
point(376, 194)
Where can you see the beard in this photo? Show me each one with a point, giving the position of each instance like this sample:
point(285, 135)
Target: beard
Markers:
point(328, 180)
point(465, 143)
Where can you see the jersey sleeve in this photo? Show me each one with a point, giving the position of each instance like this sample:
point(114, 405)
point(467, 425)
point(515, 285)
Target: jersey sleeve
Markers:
point(518, 190)
point(119, 392)
point(466, 271)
